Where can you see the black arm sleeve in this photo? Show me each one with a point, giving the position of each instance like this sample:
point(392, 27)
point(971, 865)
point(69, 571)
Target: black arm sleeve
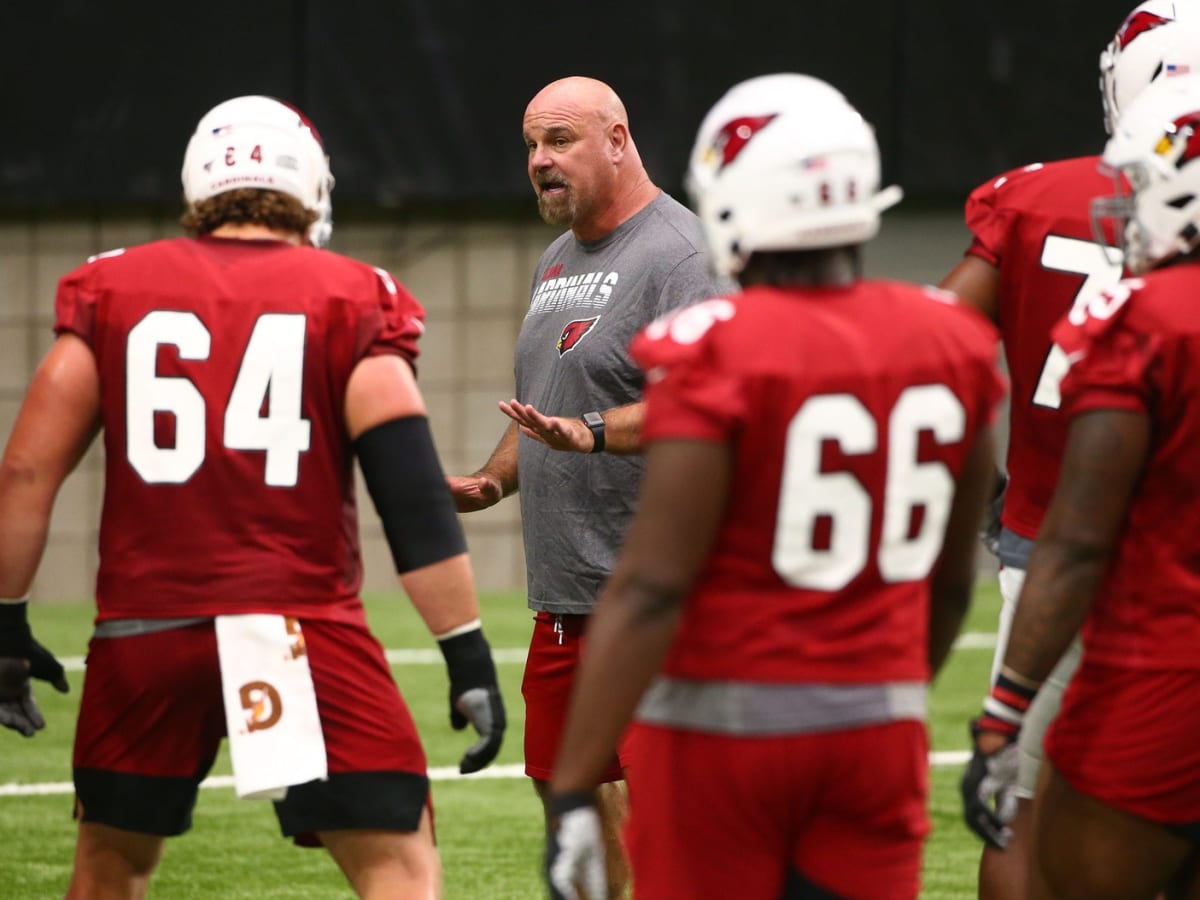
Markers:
point(406, 483)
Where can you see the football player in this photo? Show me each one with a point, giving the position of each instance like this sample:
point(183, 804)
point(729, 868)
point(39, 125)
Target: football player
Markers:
point(801, 555)
point(1119, 799)
point(1035, 257)
point(235, 375)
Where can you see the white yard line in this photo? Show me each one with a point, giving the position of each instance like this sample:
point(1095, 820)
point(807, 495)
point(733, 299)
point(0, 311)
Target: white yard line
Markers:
point(443, 773)
point(970, 640)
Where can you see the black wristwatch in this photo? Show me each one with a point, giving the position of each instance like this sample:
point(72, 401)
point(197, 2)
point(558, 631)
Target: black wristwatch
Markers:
point(595, 423)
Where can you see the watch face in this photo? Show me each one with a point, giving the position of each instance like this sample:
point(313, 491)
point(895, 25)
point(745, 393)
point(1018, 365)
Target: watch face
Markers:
point(593, 420)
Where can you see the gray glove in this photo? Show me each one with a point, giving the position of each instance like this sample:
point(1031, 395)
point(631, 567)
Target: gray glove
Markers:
point(575, 848)
point(989, 792)
point(21, 659)
point(989, 533)
point(474, 696)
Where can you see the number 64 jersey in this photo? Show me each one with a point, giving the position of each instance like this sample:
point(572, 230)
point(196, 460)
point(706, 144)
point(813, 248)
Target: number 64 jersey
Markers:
point(223, 367)
point(850, 413)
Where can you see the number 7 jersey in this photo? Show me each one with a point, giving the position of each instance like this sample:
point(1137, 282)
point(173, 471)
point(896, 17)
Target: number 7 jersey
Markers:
point(1034, 225)
point(223, 367)
point(850, 413)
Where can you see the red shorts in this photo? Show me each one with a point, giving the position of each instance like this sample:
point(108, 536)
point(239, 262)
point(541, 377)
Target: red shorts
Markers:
point(549, 673)
point(152, 719)
point(1131, 738)
point(728, 816)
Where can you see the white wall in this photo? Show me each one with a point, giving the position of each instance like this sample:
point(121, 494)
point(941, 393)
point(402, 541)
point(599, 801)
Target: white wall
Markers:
point(473, 279)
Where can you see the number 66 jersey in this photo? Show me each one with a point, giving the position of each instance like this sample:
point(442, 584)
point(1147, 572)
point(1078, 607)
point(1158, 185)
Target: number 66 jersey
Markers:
point(850, 413)
point(223, 367)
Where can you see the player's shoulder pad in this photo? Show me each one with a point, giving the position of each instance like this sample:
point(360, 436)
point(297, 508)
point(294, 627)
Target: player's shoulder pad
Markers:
point(681, 333)
point(1008, 181)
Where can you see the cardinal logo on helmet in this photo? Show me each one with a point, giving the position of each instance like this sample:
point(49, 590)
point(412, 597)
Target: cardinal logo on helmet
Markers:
point(1181, 140)
point(734, 136)
point(1138, 24)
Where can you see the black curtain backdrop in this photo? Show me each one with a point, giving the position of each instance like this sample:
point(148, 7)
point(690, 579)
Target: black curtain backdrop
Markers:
point(420, 101)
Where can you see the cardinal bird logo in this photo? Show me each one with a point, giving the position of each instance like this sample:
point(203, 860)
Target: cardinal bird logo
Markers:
point(734, 136)
point(573, 333)
point(1181, 142)
point(1138, 23)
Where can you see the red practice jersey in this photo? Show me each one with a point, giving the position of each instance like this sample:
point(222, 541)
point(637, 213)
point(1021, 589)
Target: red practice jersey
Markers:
point(850, 412)
point(223, 368)
point(1137, 350)
point(1034, 225)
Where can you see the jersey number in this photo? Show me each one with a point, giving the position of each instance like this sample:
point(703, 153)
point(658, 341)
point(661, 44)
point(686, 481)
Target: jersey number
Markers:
point(271, 373)
point(1102, 267)
point(809, 494)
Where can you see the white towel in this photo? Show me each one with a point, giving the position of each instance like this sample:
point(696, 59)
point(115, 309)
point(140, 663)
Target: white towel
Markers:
point(275, 737)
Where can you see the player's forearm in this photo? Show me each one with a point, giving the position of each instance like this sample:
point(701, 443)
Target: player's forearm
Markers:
point(25, 503)
point(953, 580)
point(502, 464)
point(628, 637)
point(948, 607)
point(1059, 586)
point(443, 593)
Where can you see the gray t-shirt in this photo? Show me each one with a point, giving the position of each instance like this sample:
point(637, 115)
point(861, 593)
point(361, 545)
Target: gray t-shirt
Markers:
point(589, 299)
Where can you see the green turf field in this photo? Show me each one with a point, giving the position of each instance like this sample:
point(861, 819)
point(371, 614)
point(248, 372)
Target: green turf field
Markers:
point(489, 830)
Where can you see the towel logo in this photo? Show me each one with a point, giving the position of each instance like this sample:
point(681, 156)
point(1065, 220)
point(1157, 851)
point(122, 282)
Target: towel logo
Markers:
point(263, 703)
point(295, 638)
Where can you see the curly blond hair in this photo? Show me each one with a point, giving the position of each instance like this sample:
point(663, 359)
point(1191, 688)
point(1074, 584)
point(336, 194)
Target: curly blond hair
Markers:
point(277, 211)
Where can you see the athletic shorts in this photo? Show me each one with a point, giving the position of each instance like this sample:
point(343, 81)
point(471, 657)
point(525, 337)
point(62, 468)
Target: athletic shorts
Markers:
point(152, 719)
point(1131, 738)
point(728, 816)
point(554, 651)
point(1046, 704)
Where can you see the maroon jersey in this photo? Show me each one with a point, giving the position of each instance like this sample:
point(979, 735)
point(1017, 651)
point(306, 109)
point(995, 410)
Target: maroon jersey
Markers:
point(850, 412)
point(1137, 350)
point(1034, 225)
point(223, 368)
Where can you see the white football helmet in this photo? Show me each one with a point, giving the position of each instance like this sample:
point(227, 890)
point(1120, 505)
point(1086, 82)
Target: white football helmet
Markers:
point(784, 162)
point(1160, 38)
point(1156, 147)
point(260, 142)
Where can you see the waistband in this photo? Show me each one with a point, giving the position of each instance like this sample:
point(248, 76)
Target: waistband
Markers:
point(118, 628)
point(570, 624)
point(754, 708)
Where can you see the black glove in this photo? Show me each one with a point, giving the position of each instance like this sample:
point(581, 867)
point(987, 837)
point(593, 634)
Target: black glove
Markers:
point(989, 790)
point(23, 658)
point(989, 533)
point(474, 696)
point(574, 847)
